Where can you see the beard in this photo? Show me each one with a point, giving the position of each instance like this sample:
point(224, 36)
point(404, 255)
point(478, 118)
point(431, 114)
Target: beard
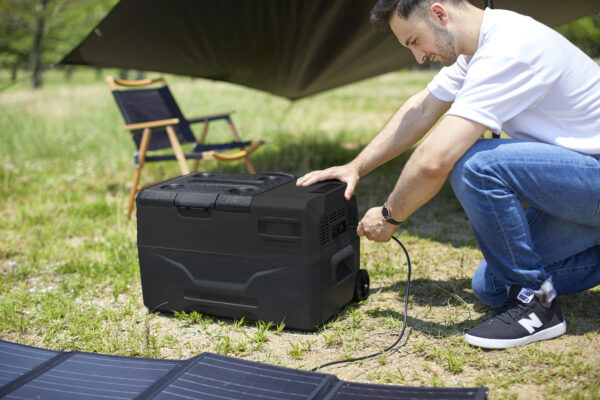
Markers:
point(446, 44)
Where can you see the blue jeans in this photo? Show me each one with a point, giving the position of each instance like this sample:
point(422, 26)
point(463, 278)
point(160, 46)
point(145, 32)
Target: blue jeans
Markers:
point(556, 234)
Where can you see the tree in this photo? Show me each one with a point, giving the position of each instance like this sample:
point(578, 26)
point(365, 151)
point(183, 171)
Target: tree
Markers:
point(14, 38)
point(584, 33)
point(40, 32)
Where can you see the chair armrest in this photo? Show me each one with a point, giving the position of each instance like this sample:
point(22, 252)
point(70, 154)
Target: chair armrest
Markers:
point(152, 124)
point(140, 82)
point(210, 117)
point(240, 154)
point(113, 82)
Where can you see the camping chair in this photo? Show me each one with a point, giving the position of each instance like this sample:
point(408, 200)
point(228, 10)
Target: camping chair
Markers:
point(156, 122)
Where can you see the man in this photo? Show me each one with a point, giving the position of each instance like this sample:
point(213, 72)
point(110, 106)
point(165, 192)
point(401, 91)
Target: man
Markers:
point(503, 71)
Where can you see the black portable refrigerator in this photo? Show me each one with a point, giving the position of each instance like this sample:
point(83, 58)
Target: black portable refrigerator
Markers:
point(253, 246)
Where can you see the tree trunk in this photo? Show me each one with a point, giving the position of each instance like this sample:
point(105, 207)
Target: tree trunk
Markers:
point(14, 71)
point(69, 72)
point(36, 54)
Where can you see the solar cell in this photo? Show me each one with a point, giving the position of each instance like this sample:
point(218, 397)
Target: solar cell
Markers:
point(212, 377)
point(82, 375)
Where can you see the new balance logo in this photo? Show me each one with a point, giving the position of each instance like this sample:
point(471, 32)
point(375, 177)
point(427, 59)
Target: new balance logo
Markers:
point(531, 323)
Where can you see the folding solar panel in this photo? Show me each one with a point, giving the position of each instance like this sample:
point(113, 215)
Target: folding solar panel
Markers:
point(362, 391)
point(31, 373)
point(53, 375)
point(211, 376)
point(95, 376)
point(17, 360)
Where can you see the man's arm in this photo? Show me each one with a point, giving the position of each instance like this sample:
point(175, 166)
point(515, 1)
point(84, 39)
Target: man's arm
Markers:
point(406, 127)
point(424, 174)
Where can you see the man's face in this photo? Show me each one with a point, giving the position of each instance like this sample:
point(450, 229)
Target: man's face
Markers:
point(425, 38)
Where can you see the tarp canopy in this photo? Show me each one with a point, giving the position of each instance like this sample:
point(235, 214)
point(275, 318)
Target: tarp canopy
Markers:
point(292, 48)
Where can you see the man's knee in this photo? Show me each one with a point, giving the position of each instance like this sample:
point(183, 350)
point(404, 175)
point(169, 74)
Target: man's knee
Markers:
point(476, 169)
point(472, 162)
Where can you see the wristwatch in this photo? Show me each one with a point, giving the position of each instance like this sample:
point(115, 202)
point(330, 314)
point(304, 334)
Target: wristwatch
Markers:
point(387, 216)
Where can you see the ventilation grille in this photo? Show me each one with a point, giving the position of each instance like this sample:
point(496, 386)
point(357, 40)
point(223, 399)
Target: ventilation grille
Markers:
point(330, 226)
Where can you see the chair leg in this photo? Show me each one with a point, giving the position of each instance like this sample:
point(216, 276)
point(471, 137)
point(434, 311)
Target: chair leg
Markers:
point(249, 165)
point(138, 170)
point(134, 189)
point(247, 161)
point(201, 141)
point(178, 151)
point(204, 132)
point(196, 164)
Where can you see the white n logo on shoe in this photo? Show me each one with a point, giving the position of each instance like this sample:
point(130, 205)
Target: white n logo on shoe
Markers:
point(531, 323)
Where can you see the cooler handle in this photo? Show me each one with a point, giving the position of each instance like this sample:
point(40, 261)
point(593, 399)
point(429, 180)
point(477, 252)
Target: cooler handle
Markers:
point(194, 212)
point(342, 264)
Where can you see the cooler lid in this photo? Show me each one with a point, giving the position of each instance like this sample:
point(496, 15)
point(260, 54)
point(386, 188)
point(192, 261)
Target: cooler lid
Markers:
point(212, 190)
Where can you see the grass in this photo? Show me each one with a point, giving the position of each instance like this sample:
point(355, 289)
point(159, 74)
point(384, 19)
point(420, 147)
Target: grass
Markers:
point(69, 275)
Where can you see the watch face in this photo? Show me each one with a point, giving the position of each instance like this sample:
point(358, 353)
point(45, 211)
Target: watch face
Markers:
point(385, 213)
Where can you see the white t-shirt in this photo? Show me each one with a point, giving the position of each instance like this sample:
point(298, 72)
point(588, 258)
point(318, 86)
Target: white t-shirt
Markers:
point(528, 81)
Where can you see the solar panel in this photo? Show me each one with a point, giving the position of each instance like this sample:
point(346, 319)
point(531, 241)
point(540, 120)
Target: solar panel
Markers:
point(32, 373)
point(211, 376)
point(363, 391)
point(82, 375)
point(16, 360)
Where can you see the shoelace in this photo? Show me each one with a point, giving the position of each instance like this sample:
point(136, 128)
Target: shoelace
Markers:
point(511, 311)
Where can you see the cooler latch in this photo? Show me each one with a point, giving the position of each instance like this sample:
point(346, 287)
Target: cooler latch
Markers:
point(195, 204)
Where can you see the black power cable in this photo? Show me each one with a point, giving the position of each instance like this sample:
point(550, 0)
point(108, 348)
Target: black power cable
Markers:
point(403, 323)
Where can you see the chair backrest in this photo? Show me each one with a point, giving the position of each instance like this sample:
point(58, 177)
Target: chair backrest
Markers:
point(143, 105)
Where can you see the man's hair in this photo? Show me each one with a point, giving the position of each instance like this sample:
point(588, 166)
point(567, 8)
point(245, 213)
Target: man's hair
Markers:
point(382, 11)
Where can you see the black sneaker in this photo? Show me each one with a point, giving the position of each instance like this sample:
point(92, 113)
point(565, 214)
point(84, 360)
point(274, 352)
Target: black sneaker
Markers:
point(521, 320)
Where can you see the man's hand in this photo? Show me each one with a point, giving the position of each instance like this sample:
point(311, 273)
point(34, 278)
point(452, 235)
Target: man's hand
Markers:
point(345, 173)
point(373, 227)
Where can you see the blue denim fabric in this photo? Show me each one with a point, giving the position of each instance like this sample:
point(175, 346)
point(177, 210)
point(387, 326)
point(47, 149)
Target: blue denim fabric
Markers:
point(556, 236)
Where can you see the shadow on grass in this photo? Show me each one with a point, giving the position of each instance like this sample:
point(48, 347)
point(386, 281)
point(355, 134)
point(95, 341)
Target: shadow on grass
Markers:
point(428, 292)
point(580, 310)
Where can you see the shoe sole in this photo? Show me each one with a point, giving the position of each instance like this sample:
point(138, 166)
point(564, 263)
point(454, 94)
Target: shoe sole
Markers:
point(547, 333)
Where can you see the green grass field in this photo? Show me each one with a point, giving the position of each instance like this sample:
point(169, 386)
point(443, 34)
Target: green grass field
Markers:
point(69, 274)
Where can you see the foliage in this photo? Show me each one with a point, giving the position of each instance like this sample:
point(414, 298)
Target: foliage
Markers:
point(15, 32)
point(584, 33)
point(41, 32)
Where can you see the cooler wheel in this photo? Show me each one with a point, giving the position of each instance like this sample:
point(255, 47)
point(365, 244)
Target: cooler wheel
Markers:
point(361, 286)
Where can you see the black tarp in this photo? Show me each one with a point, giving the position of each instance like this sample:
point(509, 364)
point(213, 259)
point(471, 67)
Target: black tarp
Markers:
point(292, 48)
